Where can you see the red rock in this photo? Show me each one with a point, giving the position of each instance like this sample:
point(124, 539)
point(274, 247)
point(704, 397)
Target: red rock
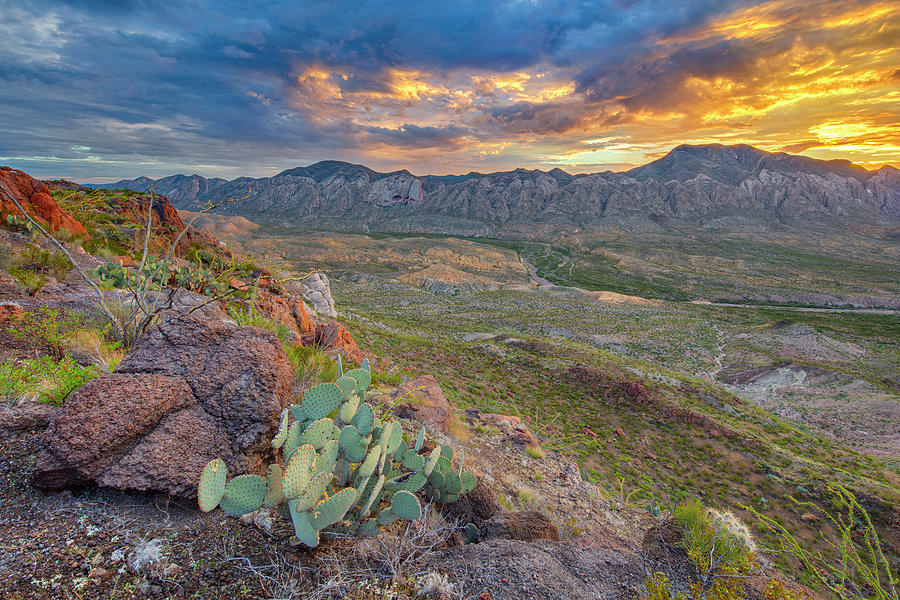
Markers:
point(286, 309)
point(620, 432)
point(424, 401)
point(333, 336)
point(126, 261)
point(238, 284)
point(809, 517)
point(35, 198)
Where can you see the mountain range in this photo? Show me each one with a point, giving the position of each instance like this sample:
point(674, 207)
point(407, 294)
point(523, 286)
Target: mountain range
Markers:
point(692, 186)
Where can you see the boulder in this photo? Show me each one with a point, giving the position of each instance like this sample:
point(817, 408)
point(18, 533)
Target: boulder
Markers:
point(191, 390)
point(423, 401)
point(286, 309)
point(35, 198)
point(513, 428)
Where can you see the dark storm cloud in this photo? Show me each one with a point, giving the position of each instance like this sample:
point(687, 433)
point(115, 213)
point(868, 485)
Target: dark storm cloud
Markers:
point(218, 84)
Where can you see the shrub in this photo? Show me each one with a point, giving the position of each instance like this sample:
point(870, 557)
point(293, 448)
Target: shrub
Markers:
point(43, 379)
point(46, 326)
point(716, 543)
point(862, 571)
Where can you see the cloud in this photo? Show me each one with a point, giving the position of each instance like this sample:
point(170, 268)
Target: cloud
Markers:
point(234, 87)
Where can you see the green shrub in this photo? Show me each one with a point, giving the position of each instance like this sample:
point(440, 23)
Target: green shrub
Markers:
point(28, 281)
point(311, 364)
point(46, 327)
point(34, 258)
point(716, 542)
point(43, 378)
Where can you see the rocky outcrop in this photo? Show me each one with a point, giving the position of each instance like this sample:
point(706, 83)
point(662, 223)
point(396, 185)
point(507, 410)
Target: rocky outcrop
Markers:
point(191, 390)
point(333, 336)
point(316, 290)
point(421, 399)
point(693, 185)
point(286, 309)
point(35, 198)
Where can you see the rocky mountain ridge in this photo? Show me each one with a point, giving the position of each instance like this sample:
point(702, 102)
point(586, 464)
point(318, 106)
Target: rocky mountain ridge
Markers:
point(692, 186)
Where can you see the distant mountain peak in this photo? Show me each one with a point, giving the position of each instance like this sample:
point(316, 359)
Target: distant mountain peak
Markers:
point(692, 185)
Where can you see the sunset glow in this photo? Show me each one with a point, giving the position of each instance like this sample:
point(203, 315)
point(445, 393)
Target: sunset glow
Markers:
point(244, 90)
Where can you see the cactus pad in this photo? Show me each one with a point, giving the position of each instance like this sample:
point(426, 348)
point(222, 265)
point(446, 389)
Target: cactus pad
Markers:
point(303, 529)
point(317, 434)
point(373, 494)
point(432, 461)
point(396, 438)
point(211, 488)
point(386, 517)
point(436, 479)
point(406, 506)
point(468, 482)
point(273, 486)
point(298, 472)
point(447, 452)
point(365, 366)
point(348, 387)
point(298, 412)
point(363, 419)
point(348, 409)
point(333, 510)
point(413, 461)
point(243, 494)
point(368, 466)
point(279, 438)
point(363, 379)
point(341, 472)
point(293, 440)
point(320, 400)
point(325, 459)
point(415, 482)
point(352, 448)
point(452, 482)
point(420, 439)
point(385, 436)
point(313, 491)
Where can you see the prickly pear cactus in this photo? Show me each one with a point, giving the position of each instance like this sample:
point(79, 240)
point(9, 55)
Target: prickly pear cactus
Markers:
point(211, 488)
point(349, 473)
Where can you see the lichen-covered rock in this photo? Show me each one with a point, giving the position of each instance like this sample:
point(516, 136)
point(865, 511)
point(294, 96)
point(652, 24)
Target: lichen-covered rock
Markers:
point(191, 390)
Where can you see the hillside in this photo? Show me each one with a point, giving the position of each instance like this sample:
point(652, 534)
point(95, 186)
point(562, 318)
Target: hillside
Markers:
point(691, 187)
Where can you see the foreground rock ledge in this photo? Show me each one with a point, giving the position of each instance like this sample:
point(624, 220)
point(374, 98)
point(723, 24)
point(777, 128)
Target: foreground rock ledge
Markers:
point(191, 390)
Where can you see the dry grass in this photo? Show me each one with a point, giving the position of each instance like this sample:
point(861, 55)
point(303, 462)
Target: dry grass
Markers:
point(458, 428)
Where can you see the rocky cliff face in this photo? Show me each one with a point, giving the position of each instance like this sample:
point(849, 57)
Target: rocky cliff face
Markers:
point(692, 185)
point(34, 196)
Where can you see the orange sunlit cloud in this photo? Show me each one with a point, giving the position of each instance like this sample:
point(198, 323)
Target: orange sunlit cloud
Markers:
point(823, 79)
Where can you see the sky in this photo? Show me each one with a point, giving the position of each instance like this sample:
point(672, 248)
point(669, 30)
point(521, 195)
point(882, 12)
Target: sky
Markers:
point(103, 90)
